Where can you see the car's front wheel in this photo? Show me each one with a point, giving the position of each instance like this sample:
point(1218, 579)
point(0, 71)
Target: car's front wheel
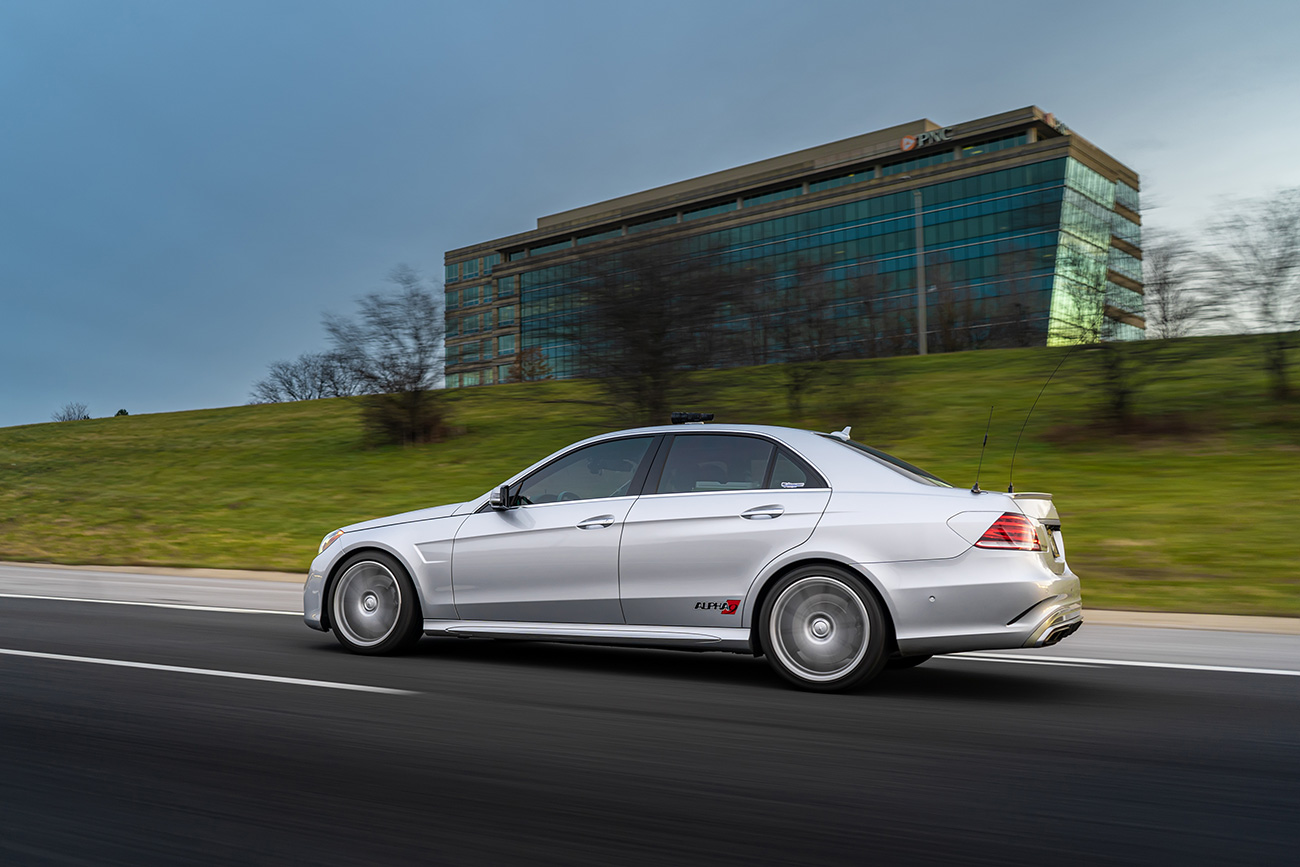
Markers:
point(823, 630)
point(373, 605)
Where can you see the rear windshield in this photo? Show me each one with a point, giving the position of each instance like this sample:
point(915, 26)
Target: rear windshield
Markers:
point(898, 465)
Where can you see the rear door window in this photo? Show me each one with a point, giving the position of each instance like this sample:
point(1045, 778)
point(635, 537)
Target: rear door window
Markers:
point(715, 462)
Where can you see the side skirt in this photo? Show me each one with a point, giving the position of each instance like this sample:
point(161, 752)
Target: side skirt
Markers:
point(695, 638)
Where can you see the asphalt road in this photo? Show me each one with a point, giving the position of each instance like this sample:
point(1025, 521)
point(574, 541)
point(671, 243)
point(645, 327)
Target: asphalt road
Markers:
point(491, 752)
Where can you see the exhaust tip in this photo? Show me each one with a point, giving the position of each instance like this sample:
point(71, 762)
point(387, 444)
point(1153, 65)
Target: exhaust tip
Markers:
point(1060, 633)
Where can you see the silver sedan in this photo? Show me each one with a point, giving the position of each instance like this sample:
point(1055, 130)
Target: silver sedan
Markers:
point(830, 558)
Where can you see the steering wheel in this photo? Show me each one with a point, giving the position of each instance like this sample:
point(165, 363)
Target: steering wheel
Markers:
point(567, 495)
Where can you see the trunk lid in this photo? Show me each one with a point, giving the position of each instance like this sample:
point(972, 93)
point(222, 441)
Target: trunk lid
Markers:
point(1042, 510)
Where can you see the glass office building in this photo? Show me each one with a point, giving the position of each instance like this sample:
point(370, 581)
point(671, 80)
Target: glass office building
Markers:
point(1029, 235)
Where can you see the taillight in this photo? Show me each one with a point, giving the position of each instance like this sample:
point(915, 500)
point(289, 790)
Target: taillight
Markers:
point(1011, 532)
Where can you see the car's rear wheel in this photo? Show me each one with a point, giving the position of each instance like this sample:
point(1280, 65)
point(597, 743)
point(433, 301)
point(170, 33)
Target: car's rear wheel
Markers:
point(373, 605)
point(823, 630)
point(900, 663)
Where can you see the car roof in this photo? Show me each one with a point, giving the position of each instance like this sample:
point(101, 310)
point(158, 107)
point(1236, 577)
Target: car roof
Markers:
point(842, 466)
point(716, 427)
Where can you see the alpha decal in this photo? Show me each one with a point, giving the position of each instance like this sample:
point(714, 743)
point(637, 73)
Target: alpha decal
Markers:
point(728, 607)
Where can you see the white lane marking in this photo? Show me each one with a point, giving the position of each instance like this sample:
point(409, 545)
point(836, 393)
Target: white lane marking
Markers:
point(210, 672)
point(973, 658)
point(1131, 663)
point(178, 605)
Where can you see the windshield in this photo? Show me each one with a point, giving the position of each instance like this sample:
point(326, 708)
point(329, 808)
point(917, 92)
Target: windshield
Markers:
point(898, 465)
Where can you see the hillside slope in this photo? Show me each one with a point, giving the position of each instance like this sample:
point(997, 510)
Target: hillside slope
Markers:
point(1195, 511)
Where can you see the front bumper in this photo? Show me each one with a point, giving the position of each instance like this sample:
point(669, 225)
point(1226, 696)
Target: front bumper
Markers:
point(313, 599)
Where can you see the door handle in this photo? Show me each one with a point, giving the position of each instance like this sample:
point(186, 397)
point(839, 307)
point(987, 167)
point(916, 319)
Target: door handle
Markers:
point(763, 513)
point(597, 522)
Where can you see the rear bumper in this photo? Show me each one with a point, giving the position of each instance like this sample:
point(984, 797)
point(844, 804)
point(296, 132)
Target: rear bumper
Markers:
point(983, 600)
point(1060, 622)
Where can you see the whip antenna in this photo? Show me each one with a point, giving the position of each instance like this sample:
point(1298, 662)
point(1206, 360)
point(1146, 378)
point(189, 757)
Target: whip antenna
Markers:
point(1011, 475)
point(975, 488)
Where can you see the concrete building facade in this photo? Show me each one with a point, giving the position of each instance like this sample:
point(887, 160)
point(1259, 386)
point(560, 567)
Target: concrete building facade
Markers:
point(1025, 228)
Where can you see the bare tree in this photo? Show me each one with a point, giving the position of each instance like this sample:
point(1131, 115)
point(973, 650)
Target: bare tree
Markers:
point(529, 366)
point(645, 319)
point(953, 316)
point(394, 348)
point(810, 321)
point(1175, 303)
point(313, 375)
point(1018, 313)
point(1082, 316)
point(1256, 269)
point(71, 412)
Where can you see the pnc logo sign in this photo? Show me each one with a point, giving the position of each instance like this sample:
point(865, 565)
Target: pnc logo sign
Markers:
point(912, 142)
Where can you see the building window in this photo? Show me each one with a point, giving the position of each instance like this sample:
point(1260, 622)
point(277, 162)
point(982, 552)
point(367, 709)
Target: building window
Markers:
point(505, 316)
point(469, 296)
point(517, 255)
point(709, 210)
point(469, 269)
point(453, 298)
point(451, 273)
point(491, 262)
point(841, 180)
point(469, 380)
point(1083, 179)
point(1125, 229)
point(470, 324)
point(468, 352)
point(653, 223)
point(453, 380)
point(1122, 263)
point(503, 373)
point(917, 163)
point(997, 144)
point(773, 196)
point(507, 285)
point(506, 344)
point(1123, 298)
point(551, 248)
point(1126, 196)
point(593, 237)
point(452, 354)
point(1123, 331)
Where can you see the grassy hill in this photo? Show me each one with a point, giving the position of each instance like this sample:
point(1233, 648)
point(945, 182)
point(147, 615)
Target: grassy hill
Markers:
point(1195, 511)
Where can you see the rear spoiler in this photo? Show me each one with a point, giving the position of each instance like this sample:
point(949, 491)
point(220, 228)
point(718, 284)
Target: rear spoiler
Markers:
point(1038, 505)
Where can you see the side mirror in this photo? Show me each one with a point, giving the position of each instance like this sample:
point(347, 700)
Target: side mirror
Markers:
point(500, 498)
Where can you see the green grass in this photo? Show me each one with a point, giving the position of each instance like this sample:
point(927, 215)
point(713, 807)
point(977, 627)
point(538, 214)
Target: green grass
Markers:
point(1196, 514)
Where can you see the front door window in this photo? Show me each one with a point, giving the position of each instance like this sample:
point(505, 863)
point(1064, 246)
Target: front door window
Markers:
point(601, 470)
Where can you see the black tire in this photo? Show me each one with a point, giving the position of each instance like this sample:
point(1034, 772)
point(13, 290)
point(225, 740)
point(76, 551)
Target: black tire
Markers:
point(823, 630)
point(373, 606)
point(900, 663)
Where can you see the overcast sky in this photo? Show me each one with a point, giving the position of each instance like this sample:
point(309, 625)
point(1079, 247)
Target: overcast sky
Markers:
point(185, 187)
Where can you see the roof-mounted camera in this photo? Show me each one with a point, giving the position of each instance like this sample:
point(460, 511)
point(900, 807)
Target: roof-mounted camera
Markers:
point(691, 417)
